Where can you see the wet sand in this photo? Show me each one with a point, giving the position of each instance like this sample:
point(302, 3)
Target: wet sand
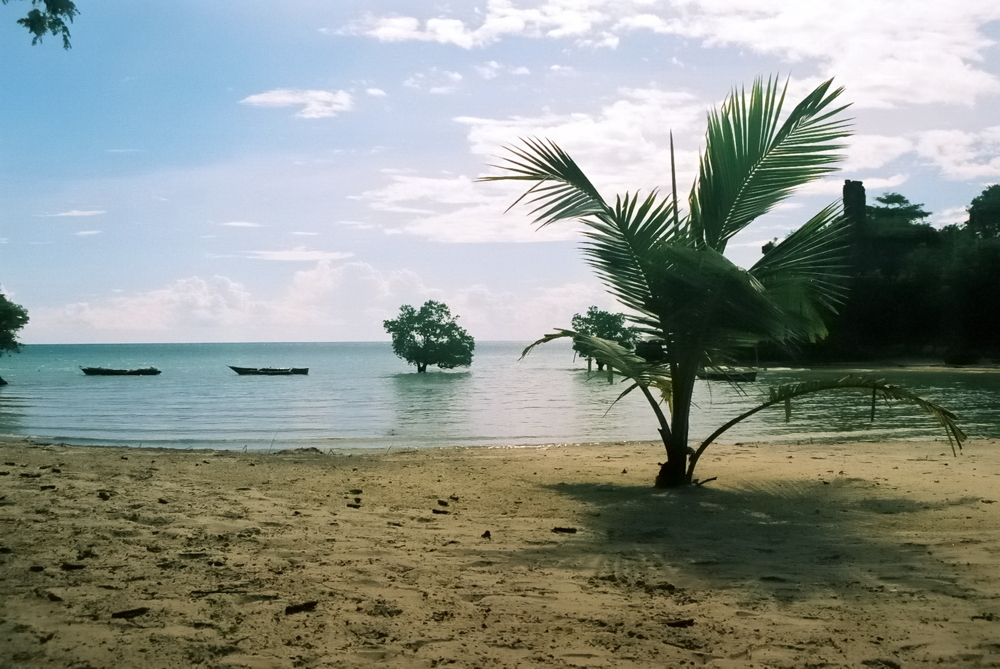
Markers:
point(854, 555)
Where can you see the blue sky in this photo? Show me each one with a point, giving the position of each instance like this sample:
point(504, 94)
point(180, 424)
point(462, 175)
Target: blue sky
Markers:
point(202, 170)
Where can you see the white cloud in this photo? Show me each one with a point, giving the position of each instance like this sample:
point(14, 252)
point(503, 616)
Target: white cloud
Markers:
point(87, 233)
point(555, 19)
point(242, 224)
point(493, 69)
point(624, 146)
point(488, 70)
point(435, 81)
point(78, 212)
point(376, 92)
point(962, 155)
point(315, 104)
point(949, 216)
point(927, 54)
point(835, 186)
point(327, 302)
point(187, 303)
point(305, 234)
point(930, 53)
point(867, 152)
point(300, 254)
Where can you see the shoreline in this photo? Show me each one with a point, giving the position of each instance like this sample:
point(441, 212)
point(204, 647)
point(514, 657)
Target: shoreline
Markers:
point(849, 554)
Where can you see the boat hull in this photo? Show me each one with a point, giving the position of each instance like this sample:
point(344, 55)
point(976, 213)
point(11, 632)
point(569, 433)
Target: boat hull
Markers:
point(269, 371)
point(104, 371)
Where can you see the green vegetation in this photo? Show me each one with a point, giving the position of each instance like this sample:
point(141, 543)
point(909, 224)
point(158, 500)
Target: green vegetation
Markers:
point(13, 317)
point(916, 291)
point(693, 306)
point(430, 336)
point(605, 325)
point(49, 16)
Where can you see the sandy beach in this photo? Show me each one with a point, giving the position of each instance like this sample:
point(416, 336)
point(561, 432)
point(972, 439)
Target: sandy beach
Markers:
point(855, 555)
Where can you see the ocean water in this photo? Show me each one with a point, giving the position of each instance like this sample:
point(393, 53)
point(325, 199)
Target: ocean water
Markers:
point(360, 396)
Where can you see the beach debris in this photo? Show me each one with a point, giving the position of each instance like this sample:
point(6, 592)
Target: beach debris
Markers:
point(991, 617)
point(487, 535)
point(124, 457)
point(30, 475)
point(300, 608)
point(354, 506)
point(70, 566)
point(4, 473)
point(686, 622)
point(880, 663)
point(36, 568)
point(564, 530)
point(442, 512)
point(441, 502)
point(162, 501)
point(355, 491)
point(128, 614)
point(4, 550)
point(357, 500)
point(383, 607)
point(988, 501)
point(48, 594)
point(46, 487)
point(85, 553)
point(453, 498)
point(104, 494)
point(625, 471)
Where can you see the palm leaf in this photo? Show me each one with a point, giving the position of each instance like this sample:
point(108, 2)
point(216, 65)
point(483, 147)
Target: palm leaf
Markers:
point(643, 374)
point(561, 190)
point(619, 239)
point(750, 164)
point(805, 275)
point(878, 388)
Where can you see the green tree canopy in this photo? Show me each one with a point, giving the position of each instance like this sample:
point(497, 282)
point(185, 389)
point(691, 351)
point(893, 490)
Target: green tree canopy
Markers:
point(49, 16)
point(897, 208)
point(605, 325)
point(984, 214)
point(13, 317)
point(430, 336)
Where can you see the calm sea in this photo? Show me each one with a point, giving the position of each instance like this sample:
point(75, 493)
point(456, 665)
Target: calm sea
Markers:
point(360, 396)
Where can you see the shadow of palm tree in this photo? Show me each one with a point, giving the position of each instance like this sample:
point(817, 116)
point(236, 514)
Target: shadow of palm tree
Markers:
point(793, 539)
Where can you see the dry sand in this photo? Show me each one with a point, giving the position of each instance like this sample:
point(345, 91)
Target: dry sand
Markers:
point(858, 555)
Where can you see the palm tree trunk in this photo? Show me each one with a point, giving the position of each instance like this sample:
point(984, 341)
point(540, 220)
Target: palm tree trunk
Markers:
point(673, 473)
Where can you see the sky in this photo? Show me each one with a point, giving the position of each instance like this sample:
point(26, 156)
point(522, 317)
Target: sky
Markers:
point(209, 170)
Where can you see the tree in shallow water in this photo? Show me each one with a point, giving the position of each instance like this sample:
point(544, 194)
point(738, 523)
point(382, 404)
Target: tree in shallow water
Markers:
point(430, 336)
point(605, 325)
point(693, 306)
point(13, 317)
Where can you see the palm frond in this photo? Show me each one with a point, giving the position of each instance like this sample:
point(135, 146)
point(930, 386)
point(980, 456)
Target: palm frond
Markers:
point(877, 388)
point(806, 274)
point(621, 248)
point(619, 238)
point(750, 164)
point(642, 373)
point(561, 190)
